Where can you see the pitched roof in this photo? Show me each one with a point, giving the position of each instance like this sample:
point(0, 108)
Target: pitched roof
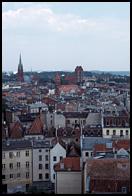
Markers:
point(108, 168)
point(37, 126)
point(16, 144)
point(16, 132)
point(93, 119)
point(73, 152)
point(69, 87)
point(122, 144)
point(68, 164)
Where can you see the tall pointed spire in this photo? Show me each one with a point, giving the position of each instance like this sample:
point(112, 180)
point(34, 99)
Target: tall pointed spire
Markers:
point(20, 70)
point(20, 61)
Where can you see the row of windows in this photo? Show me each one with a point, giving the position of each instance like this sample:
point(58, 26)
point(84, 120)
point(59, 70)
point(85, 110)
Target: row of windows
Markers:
point(17, 154)
point(11, 154)
point(13, 176)
point(18, 165)
point(46, 150)
point(46, 157)
point(55, 158)
point(46, 166)
point(41, 176)
point(114, 132)
point(76, 121)
point(87, 154)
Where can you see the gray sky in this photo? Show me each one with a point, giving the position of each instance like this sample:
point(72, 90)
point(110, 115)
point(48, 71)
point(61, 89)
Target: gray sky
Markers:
point(61, 36)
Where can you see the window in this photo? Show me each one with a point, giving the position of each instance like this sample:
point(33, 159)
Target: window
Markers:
point(27, 164)
point(27, 153)
point(84, 122)
point(3, 177)
point(53, 176)
point(27, 174)
point(18, 154)
point(46, 150)
point(40, 157)
point(114, 132)
point(11, 175)
point(40, 150)
point(3, 155)
point(54, 158)
point(40, 166)
point(10, 155)
point(124, 189)
point(46, 166)
point(91, 154)
point(11, 165)
point(3, 166)
point(75, 121)
point(46, 175)
point(126, 132)
point(18, 175)
point(87, 154)
point(107, 132)
point(121, 132)
point(18, 164)
point(40, 176)
point(61, 157)
point(46, 157)
point(68, 121)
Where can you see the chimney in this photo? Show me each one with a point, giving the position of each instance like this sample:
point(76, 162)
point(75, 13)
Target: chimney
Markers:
point(62, 166)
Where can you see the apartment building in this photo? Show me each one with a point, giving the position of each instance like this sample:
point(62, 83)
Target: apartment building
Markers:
point(16, 165)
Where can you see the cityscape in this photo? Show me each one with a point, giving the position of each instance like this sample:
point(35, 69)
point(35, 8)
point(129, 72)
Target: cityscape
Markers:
point(65, 130)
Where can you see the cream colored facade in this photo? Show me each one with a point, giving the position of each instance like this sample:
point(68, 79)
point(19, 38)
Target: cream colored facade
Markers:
point(125, 132)
point(17, 170)
point(68, 182)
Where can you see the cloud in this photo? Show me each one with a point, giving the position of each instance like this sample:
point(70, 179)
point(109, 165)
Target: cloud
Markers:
point(37, 18)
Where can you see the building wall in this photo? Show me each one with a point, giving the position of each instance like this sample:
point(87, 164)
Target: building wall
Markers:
point(90, 155)
point(59, 120)
point(12, 183)
point(73, 120)
point(117, 132)
point(56, 151)
point(68, 182)
point(36, 162)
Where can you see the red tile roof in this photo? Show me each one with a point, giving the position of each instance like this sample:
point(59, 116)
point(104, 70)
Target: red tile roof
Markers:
point(108, 168)
point(37, 126)
point(122, 144)
point(70, 164)
point(16, 132)
point(68, 88)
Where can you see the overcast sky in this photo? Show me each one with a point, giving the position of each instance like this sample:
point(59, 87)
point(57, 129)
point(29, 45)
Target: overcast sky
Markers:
point(61, 36)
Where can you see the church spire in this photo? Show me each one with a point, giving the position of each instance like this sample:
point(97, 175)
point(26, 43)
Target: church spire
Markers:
point(20, 61)
point(20, 69)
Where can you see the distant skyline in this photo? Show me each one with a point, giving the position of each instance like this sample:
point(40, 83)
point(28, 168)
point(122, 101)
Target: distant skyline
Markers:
point(60, 36)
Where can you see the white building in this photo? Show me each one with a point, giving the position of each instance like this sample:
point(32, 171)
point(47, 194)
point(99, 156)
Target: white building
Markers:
point(56, 154)
point(116, 132)
point(55, 119)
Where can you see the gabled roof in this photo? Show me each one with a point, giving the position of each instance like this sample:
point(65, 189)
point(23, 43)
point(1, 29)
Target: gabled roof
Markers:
point(16, 132)
point(68, 164)
point(122, 144)
point(37, 126)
